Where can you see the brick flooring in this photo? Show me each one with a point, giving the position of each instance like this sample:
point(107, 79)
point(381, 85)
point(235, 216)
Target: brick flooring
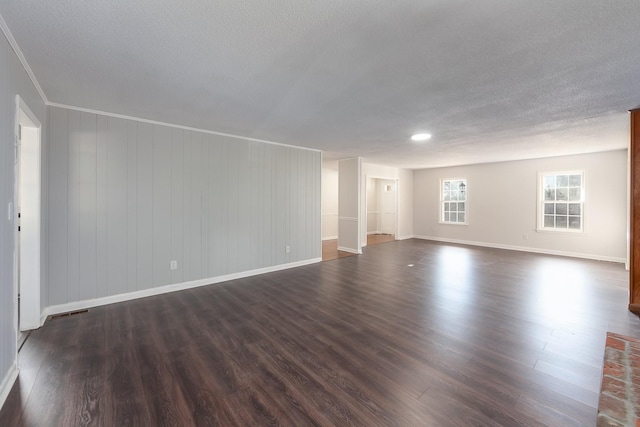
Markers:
point(620, 390)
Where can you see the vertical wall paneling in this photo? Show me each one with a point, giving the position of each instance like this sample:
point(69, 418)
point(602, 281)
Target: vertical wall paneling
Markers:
point(73, 185)
point(144, 211)
point(223, 198)
point(102, 148)
point(281, 217)
point(127, 198)
point(117, 150)
point(292, 201)
point(87, 262)
point(267, 203)
point(214, 206)
point(244, 206)
point(195, 209)
point(186, 205)
point(58, 205)
point(256, 171)
point(303, 203)
point(161, 205)
point(177, 204)
point(233, 192)
point(132, 205)
point(206, 203)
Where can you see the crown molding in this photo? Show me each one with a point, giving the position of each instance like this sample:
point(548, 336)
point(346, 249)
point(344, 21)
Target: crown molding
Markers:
point(14, 45)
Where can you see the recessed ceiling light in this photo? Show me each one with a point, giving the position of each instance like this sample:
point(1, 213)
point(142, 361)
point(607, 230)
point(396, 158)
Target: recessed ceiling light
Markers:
point(421, 137)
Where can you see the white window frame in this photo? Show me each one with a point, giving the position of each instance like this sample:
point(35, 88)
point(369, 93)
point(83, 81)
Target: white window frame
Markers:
point(541, 202)
point(441, 206)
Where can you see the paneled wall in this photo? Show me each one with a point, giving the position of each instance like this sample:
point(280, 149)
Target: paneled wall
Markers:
point(129, 197)
point(13, 81)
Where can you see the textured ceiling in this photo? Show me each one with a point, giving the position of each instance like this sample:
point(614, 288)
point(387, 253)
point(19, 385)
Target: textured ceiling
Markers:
point(491, 80)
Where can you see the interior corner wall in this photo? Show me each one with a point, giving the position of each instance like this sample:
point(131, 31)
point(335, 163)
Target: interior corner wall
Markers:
point(14, 80)
point(373, 205)
point(502, 206)
point(329, 203)
point(405, 204)
point(128, 197)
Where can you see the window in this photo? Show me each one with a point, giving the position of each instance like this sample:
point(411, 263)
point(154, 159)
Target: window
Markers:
point(561, 201)
point(453, 201)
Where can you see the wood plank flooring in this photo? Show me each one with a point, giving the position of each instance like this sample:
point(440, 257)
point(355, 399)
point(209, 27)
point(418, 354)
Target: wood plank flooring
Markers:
point(466, 336)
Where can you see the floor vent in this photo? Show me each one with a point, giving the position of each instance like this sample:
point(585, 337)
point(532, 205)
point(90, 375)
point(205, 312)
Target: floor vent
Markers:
point(70, 313)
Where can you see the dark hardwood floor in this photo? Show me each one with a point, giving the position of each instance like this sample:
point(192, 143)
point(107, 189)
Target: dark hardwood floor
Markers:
point(330, 247)
point(466, 336)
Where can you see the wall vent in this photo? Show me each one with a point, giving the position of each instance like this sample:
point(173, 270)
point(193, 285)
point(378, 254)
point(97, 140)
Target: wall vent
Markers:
point(70, 313)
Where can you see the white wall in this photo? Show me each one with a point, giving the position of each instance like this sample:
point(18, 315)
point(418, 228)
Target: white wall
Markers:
point(405, 204)
point(128, 197)
point(329, 200)
point(14, 80)
point(349, 206)
point(373, 206)
point(404, 178)
point(502, 202)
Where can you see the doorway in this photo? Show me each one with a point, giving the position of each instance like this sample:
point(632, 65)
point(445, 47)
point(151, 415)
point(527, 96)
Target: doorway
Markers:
point(381, 210)
point(27, 218)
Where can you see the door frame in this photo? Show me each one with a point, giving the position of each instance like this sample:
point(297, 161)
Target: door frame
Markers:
point(30, 307)
point(364, 214)
point(395, 201)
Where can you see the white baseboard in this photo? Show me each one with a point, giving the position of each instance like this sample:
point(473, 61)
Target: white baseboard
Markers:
point(405, 237)
point(524, 249)
point(7, 383)
point(330, 238)
point(351, 251)
point(95, 302)
point(374, 232)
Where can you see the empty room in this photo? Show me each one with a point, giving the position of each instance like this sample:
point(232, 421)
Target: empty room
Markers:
point(319, 213)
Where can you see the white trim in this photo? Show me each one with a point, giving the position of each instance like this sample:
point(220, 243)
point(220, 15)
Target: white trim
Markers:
point(351, 251)
point(411, 236)
point(330, 238)
point(8, 382)
point(95, 302)
point(524, 249)
point(348, 218)
point(30, 239)
point(21, 58)
point(173, 125)
point(442, 202)
point(541, 201)
point(374, 232)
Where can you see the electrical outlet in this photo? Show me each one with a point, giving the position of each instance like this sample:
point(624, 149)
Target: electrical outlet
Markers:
point(287, 249)
point(173, 265)
point(525, 236)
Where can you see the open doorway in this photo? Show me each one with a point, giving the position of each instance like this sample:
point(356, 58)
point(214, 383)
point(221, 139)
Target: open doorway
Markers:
point(382, 210)
point(27, 214)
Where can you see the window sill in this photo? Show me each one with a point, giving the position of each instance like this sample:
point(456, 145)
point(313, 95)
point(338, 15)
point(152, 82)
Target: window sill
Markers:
point(568, 232)
point(453, 223)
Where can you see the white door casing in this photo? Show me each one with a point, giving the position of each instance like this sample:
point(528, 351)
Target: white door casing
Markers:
point(28, 140)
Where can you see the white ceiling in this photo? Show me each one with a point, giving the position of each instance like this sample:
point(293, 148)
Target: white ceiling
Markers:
point(491, 80)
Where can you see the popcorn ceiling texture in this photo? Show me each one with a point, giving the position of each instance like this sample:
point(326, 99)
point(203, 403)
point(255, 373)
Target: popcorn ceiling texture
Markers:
point(490, 80)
